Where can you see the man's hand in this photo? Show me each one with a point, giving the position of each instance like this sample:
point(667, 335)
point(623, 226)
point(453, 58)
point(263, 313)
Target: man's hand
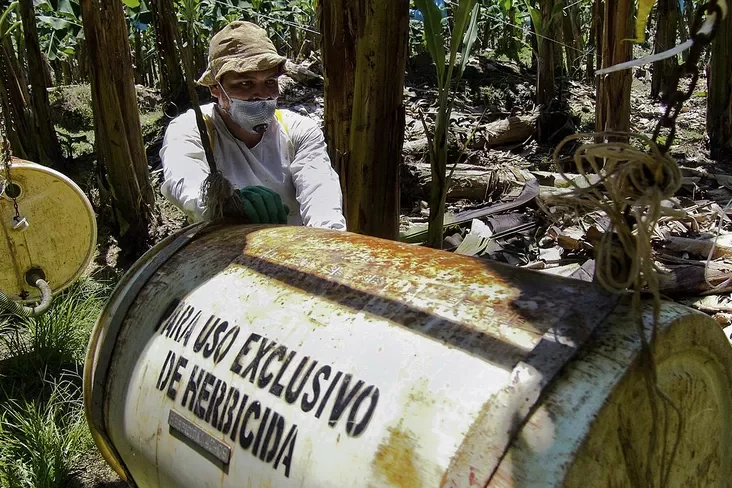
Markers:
point(262, 205)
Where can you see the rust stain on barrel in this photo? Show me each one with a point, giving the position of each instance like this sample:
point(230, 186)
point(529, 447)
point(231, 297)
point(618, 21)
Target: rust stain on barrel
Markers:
point(396, 459)
point(383, 270)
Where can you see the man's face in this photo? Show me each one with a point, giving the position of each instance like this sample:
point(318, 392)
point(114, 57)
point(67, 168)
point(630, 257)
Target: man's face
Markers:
point(253, 85)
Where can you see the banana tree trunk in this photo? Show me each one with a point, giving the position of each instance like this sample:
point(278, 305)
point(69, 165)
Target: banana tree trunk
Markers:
point(139, 65)
point(364, 44)
point(686, 17)
point(598, 16)
point(545, 67)
point(15, 101)
point(57, 73)
point(555, 32)
point(339, 68)
point(593, 55)
point(154, 72)
point(10, 117)
point(201, 57)
point(294, 42)
point(66, 71)
point(572, 33)
point(19, 61)
point(439, 187)
point(119, 141)
point(612, 110)
point(82, 62)
point(49, 150)
point(667, 18)
point(545, 60)
point(719, 99)
point(172, 83)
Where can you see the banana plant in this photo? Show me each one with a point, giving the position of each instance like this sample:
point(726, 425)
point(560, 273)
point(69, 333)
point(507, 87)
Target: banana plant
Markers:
point(4, 20)
point(542, 28)
point(500, 27)
point(509, 43)
point(59, 28)
point(195, 31)
point(464, 34)
point(14, 95)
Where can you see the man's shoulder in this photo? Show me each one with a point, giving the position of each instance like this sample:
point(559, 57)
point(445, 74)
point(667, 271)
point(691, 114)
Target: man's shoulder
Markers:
point(185, 125)
point(296, 121)
point(188, 118)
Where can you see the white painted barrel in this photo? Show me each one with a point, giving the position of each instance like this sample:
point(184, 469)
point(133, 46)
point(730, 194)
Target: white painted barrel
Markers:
point(234, 356)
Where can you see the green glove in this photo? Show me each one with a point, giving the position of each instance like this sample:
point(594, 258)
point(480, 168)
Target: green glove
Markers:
point(262, 205)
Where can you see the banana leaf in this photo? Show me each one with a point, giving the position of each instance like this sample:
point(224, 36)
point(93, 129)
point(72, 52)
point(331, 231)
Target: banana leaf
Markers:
point(433, 35)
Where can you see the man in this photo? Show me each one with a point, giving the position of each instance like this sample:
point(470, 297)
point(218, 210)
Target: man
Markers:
point(276, 160)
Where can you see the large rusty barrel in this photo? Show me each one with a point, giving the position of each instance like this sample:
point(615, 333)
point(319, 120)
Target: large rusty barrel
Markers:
point(233, 356)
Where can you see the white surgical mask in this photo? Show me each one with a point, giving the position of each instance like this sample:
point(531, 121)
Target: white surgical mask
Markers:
point(254, 116)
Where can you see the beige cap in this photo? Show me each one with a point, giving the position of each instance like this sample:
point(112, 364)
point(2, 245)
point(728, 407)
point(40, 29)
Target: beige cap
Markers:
point(240, 47)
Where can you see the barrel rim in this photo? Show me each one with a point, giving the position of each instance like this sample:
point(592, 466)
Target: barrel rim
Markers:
point(99, 352)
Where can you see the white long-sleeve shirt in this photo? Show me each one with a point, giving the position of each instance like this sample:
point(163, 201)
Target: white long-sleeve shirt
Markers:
point(290, 160)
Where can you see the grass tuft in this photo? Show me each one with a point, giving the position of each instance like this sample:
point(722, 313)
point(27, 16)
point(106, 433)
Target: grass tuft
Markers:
point(59, 337)
point(41, 442)
point(43, 432)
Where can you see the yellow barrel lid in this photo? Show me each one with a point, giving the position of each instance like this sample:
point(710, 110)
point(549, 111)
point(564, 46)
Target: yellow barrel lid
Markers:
point(61, 231)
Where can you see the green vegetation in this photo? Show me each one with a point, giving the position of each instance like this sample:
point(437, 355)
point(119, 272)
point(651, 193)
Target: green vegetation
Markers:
point(464, 35)
point(41, 442)
point(43, 432)
point(74, 120)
